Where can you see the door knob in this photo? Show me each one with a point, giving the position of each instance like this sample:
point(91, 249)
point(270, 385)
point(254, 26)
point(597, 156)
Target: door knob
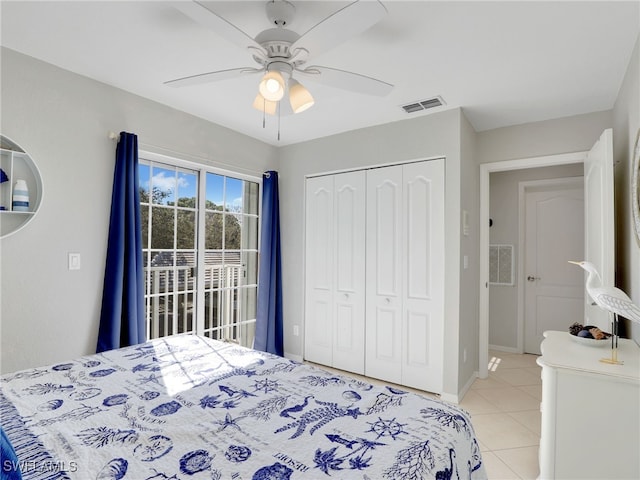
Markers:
point(531, 278)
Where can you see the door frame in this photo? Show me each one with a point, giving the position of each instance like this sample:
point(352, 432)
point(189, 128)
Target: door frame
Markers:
point(485, 170)
point(524, 188)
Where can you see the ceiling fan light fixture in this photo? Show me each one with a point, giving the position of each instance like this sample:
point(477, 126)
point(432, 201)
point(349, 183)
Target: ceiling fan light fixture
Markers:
point(299, 97)
point(272, 86)
point(267, 106)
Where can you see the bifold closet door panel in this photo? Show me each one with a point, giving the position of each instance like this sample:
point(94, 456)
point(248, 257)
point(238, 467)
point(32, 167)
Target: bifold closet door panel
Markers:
point(335, 270)
point(384, 274)
point(319, 278)
point(349, 280)
point(423, 292)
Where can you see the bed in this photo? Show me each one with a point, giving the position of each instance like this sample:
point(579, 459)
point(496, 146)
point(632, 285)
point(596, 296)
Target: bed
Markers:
point(188, 407)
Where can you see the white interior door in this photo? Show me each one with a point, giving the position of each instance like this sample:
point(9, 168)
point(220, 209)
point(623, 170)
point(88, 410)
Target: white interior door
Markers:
point(554, 232)
point(599, 222)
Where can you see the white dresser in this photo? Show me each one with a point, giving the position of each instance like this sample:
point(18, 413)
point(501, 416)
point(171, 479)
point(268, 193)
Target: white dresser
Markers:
point(590, 410)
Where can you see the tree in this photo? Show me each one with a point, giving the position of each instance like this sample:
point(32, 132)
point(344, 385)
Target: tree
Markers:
point(222, 227)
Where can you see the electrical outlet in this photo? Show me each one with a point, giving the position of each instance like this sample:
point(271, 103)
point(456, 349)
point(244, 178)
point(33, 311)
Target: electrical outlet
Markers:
point(296, 330)
point(464, 356)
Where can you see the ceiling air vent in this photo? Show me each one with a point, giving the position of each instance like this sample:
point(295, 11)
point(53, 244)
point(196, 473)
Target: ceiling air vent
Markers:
point(423, 105)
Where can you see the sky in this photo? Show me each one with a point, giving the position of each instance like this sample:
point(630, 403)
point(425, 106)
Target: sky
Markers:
point(181, 183)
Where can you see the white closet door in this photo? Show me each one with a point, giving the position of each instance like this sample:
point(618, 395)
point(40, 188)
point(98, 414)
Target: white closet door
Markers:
point(349, 280)
point(423, 289)
point(384, 274)
point(376, 238)
point(319, 282)
point(335, 266)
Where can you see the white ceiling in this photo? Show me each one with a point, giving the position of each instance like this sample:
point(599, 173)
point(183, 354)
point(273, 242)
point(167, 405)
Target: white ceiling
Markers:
point(504, 63)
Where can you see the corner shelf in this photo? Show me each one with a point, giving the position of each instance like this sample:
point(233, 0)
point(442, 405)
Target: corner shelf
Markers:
point(17, 164)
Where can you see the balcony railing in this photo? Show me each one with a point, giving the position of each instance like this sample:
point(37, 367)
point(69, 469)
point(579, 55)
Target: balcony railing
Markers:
point(171, 300)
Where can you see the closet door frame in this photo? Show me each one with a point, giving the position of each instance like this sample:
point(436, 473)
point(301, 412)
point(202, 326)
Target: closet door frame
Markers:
point(407, 362)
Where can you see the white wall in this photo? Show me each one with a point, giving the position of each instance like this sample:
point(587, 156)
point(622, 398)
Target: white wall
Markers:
point(436, 135)
point(626, 125)
point(503, 300)
point(49, 313)
point(550, 137)
point(468, 353)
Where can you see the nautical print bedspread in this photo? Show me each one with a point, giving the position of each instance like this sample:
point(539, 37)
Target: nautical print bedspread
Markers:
point(187, 407)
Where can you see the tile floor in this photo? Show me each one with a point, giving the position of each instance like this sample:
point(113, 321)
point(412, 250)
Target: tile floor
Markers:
point(505, 412)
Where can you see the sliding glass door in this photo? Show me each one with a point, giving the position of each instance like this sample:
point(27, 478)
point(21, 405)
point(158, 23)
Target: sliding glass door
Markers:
point(200, 237)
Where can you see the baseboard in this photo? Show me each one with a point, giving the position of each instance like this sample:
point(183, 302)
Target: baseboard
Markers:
point(457, 398)
point(291, 356)
point(449, 397)
point(500, 348)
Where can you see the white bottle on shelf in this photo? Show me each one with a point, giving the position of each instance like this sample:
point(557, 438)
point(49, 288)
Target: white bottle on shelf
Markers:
point(20, 197)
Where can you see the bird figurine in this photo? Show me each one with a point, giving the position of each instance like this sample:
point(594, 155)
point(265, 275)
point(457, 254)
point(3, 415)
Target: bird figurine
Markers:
point(611, 299)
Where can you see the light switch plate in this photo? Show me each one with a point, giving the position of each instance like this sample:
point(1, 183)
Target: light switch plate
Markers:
point(74, 261)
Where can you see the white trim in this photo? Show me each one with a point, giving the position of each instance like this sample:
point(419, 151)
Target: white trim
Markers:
point(457, 398)
point(200, 239)
point(379, 165)
point(194, 159)
point(500, 348)
point(195, 164)
point(304, 206)
point(295, 358)
point(523, 189)
point(485, 170)
point(201, 170)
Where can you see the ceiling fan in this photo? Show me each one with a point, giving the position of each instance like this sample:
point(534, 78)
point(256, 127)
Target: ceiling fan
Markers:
point(282, 53)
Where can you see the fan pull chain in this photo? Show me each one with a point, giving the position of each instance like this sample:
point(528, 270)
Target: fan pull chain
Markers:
point(264, 112)
point(279, 121)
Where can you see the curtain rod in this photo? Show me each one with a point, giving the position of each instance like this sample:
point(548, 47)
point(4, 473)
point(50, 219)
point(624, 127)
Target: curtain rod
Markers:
point(116, 137)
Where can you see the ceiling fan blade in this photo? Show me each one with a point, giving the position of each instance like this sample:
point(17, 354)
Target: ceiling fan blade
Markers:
point(347, 22)
point(212, 76)
point(346, 80)
point(208, 18)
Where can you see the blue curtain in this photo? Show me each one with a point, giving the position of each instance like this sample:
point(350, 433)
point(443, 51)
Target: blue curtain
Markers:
point(269, 328)
point(122, 315)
